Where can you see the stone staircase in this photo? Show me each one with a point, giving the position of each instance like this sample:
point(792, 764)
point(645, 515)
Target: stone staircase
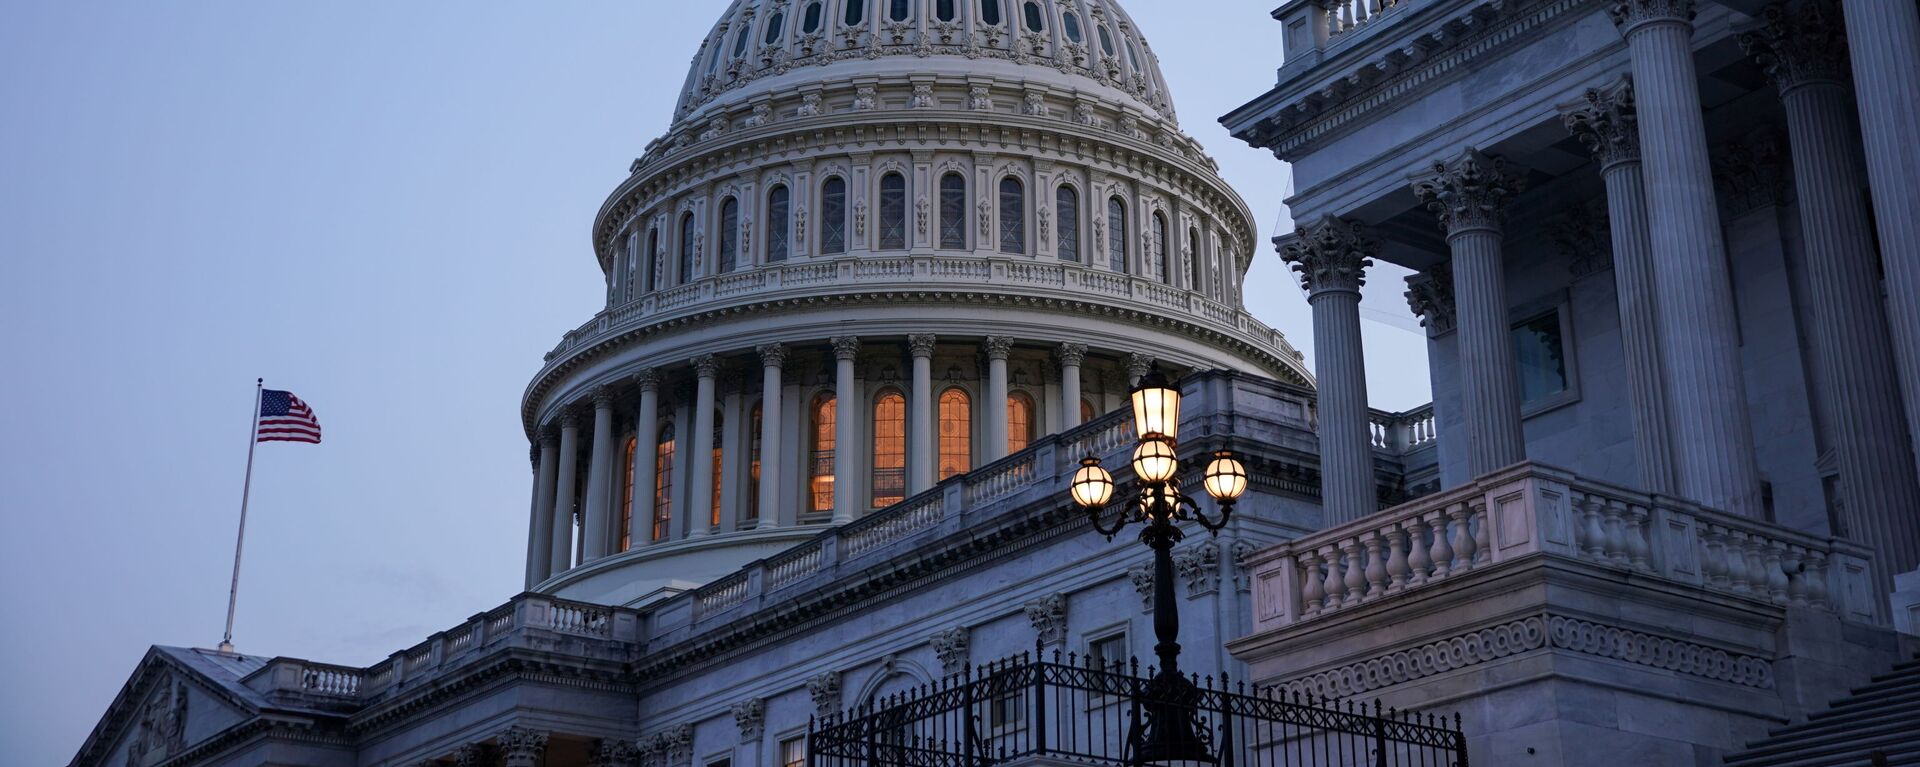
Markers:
point(1878, 724)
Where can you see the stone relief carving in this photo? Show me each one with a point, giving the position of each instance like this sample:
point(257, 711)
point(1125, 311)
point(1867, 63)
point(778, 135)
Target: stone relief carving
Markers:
point(1199, 566)
point(1035, 105)
point(1083, 114)
point(162, 727)
point(865, 99)
point(1750, 173)
point(1582, 235)
point(762, 115)
point(1243, 551)
point(922, 214)
point(750, 716)
point(860, 217)
point(809, 105)
point(521, 747)
point(1142, 578)
point(1607, 124)
point(978, 99)
point(824, 690)
point(1049, 617)
point(951, 647)
point(923, 98)
point(986, 221)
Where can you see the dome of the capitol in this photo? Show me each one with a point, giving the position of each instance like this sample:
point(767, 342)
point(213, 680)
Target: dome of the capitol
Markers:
point(882, 244)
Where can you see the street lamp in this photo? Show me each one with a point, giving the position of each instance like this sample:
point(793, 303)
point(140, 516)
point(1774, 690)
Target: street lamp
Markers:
point(1172, 734)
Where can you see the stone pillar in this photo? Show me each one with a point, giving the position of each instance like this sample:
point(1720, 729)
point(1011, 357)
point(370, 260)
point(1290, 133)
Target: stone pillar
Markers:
point(1804, 52)
point(562, 559)
point(846, 437)
point(646, 424)
point(1607, 124)
point(1070, 356)
point(699, 510)
point(997, 349)
point(773, 359)
point(920, 428)
point(1470, 194)
point(540, 545)
point(1332, 256)
point(599, 509)
point(1884, 42)
point(1707, 401)
point(521, 747)
point(1430, 296)
point(735, 438)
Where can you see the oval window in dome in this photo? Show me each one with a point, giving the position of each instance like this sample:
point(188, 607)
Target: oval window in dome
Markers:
point(990, 12)
point(1034, 22)
point(811, 22)
point(740, 41)
point(856, 13)
point(901, 10)
point(944, 10)
point(1072, 24)
point(1106, 41)
point(775, 27)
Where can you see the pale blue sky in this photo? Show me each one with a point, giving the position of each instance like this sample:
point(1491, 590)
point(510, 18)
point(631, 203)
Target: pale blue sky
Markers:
point(383, 207)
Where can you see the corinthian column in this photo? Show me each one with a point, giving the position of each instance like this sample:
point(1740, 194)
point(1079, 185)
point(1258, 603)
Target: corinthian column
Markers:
point(1070, 356)
point(773, 359)
point(920, 421)
point(540, 543)
point(846, 438)
point(699, 511)
point(1884, 41)
point(1470, 194)
point(1607, 124)
point(997, 348)
point(599, 486)
point(1332, 256)
point(1805, 54)
point(646, 424)
point(521, 747)
point(1712, 436)
point(562, 558)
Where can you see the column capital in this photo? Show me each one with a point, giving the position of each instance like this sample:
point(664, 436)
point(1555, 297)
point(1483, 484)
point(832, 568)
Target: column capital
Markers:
point(570, 418)
point(1584, 235)
point(648, 379)
point(1630, 15)
point(1750, 173)
point(613, 753)
point(921, 344)
point(1798, 46)
point(1071, 355)
point(1607, 123)
point(1430, 296)
point(1139, 365)
point(750, 716)
point(1331, 255)
point(603, 398)
point(998, 347)
point(773, 355)
point(549, 435)
point(846, 348)
point(520, 745)
point(706, 366)
point(1470, 191)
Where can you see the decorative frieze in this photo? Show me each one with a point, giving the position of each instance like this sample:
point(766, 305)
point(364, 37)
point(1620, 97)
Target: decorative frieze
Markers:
point(1607, 123)
point(750, 716)
point(1331, 254)
point(1430, 296)
point(1049, 617)
point(824, 691)
point(1470, 191)
point(951, 647)
point(1199, 566)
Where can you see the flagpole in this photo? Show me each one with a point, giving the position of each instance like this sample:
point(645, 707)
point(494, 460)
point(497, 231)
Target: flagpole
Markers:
point(246, 490)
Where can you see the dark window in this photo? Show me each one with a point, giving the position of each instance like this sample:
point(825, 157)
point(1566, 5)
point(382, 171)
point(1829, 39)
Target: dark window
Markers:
point(856, 12)
point(686, 249)
point(1013, 216)
point(1133, 54)
point(953, 212)
point(1161, 260)
point(893, 212)
point(901, 10)
point(833, 217)
point(1072, 23)
point(1067, 210)
point(1106, 41)
point(944, 10)
point(1541, 356)
point(1117, 234)
point(778, 224)
point(653, 251)
point(775, 25)
point(1193, 259)
point(729, 235)
point(990, 12)
point(811, 22)
point(740, 41)
point(1034, 22)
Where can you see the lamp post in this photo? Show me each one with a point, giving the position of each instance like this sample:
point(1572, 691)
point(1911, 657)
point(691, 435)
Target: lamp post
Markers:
point(1171, 734)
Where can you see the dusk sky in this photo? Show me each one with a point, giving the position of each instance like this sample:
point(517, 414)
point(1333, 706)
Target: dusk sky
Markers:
point(384, 208)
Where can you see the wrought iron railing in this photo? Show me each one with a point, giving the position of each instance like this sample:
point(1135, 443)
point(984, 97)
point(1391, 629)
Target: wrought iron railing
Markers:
point(1078, 712)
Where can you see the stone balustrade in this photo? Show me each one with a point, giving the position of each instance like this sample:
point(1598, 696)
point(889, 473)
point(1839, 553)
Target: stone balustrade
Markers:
point(1398, 433)
point(1313, 25)
point(1532, 510)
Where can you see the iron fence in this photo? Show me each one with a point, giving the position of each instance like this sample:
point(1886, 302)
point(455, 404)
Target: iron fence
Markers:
point(1027, 710)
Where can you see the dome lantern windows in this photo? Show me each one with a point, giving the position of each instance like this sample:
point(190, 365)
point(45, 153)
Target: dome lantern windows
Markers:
point(893, 212)
point(1106, 41)
point(1034, 17)
point(833, 217)
point(945, 10)
point(776, 25)
point(686, 250)
point(1117, 234)
point(740, 41)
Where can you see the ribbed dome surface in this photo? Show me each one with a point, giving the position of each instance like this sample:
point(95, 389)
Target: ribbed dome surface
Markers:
point(760, 46)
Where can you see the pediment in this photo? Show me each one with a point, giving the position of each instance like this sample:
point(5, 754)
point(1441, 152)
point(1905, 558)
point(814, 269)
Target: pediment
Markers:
point(169, 705)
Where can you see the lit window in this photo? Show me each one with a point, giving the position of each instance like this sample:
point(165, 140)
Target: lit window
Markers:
point(663, 485)
point(990, 12)
point(956, 433)
point(778, 223)
point(893, 212)
point(1087, 411)
point(889, 449)
point(626, 493)
point(775, 25)
point(820, 475)
point(833, 216)
point(729, 235)
point(1540, 352)
point(1019, 422)
point(719, 428)
point(1013, 216)
point(1161, 266)
point(856, 13)
point(1117, 234)
point(811, 23)
point(793, 752)
point(686, 249)
point(953, 212)
point(753, 469)
point(1034, 22)
point(1067, 212)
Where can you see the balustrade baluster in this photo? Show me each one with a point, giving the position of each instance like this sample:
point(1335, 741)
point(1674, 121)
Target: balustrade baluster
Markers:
point(1638, 549)
point(1311, 579)
point(1737, 575)
point(1616, 533)
point(1593, 533)
point(1816, 579)
point(1776, 576)
point(1756, 564)
point(1442, 548)
point(1463, 543)
point(1396, 559)
point(1376, 567)
point(1335, 585)
point(1355, 571)
point(1793, 569)
point(1417, 560)
point(1714, 564)
point(1482, 533)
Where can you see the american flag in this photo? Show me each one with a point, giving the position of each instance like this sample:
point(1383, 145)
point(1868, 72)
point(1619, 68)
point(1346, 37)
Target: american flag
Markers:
point(284, 418)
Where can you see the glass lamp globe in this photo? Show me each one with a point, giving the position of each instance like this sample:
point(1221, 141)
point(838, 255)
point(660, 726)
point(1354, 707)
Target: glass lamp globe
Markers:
point(1154, 460)
point(1092, 486)
point(1226, 477)
point(1156, 407)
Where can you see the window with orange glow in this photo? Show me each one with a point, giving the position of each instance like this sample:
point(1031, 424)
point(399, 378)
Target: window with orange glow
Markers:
point(956, 433)
point(719, 428)
point(753, 468)
point(889, 449)
point(626, 494)
point(820, 469)
point(1087, 412)
point(663, 485)
point(1019, 422)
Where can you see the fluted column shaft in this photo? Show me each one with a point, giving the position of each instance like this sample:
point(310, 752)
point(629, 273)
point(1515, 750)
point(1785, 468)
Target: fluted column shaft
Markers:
point(1699, 339)
point(997, 348)
point(1071, 356)
point(540, 543)
point(566, 472)
point(599, 510)
point(773, 360)
point(1331, 256)
point(1883, 38)
point(920, 418)
point(646, 467)
point(699, 511)
point(846, 441)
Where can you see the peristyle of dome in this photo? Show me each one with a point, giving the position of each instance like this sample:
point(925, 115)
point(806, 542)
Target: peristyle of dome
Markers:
point(883, 243)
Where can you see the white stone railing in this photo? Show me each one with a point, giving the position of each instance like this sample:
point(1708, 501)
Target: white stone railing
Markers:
point(1001, 479)
point(1344, 16)
point(794, 565)
point(909, 517)
point(330, 681)
point(1531, 510)
point(719, 595)
point(1400, 432)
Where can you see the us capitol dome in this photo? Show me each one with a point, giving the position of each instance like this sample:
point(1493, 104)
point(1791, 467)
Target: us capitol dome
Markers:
point(882, 244)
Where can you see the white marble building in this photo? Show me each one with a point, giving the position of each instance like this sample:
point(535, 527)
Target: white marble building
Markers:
point(894, 267)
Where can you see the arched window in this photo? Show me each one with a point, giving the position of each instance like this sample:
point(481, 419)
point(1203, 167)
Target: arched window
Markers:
point(719, 432)
point(663, 484)
point(729, 235)
point(779, 223)
point(820, 468)
point(754, 423)
point(810, 23)
point(944, 10)
point(1013, 216)
point(1019, 422)
point(1033, 17)
point(856, 13)
point(776, 24)
point(953, 212)
point(833, 216)
point(628, 284)
point(889, 449)
point(956, 433)
point(1162, 262)
point(686, 249)
point(990, 12)
point(1087, 411)
point(893, 212)
point(1193, 259)
point(648, 269)
point(629, 453)
point(1117, 234)
point(1072, 25)
point(900, 10)
point(1066, 210)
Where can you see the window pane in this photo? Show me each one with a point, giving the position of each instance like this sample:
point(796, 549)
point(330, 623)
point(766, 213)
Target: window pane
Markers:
point(663, 485)
point(953, 212)
point(811, 23)
point(1019, 422)
point(893, 212)
point(775, 26)
point(1087, 412)
point(1073, 27)
point(1067, 213)
point(820, 472)
point(1117, 235)
point(1539, 351)
point(956, 433)
point(793, 752)
point(856, 12)
point(740, 41)
point(626, 492)
point(833, 217)
point(990, 12)
point(1013, 216)
point(889, 450)
point(944, 10)
point(652, 260)
point(719, 428)
point(729, 235)
point(686, 249)
point(1193, 259)
point(1160, 265)
point(1106, 41)
point(778, 225)
point(1034, 22)
point(900, 10)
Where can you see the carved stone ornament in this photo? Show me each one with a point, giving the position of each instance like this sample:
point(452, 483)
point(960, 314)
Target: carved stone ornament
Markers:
point(677, 745)
point(998, 347)
point(809, 105)
point(750, 716)
point(603, 398)
point(1430, 296)
point(647, 379)
point(921, 344)
point(846, 348)
point(1071, 355)
point(824, 690)
point(1750, 173)
point(162, 727)
point(1799, 46)
point(1199, 566)
point(1469, 192)
point(1049, 617)
point(474, 755)
point(1045, 219)
point(860, 217)
point(1083, 114)
point(923, 98)
point(522, 747)
point(613, 753)
point(1035, 105)
point(762, 115)
point(773, 355)
point(986, 220)
point(978, 99)
point(1243, 551)
point(1138, 366)
point(1582, 234)
point(1607, 123)
point(951, 647)
point(1142, 578)
point(706, 366)
point(1331, 254)
point(922, 215)
point(1629, 15)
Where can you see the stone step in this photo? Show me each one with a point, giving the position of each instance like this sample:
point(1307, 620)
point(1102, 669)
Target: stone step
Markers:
point(1841, 732)
point(1901, 748)
point(1893, 681)
point(1853, 704)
